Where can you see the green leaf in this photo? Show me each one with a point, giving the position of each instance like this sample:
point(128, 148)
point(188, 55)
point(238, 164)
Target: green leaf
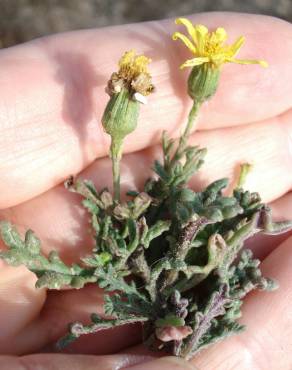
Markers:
point(53, 280)
point(186, 195)
point(159, 169)
point(216, 186)
point(91, 187)
point(52, 272)
point(10, 235)
point(133, 235)
point(91, 206)
point(97, 260)
point(155, 231)
point(32, 242)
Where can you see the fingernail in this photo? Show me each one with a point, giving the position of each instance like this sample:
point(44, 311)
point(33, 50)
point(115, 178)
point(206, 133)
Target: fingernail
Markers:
point(164, 363)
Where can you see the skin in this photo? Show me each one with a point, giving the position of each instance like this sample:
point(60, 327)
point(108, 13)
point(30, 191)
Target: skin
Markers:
point(52, 99)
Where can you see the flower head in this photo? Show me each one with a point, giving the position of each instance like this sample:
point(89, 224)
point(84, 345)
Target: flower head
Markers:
point(132, 65)
point(209, 47)
point(132, 74)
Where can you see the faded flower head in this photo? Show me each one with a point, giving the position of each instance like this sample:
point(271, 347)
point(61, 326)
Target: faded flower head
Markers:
point(209, 47)
point(132, 65)
point(132, 74)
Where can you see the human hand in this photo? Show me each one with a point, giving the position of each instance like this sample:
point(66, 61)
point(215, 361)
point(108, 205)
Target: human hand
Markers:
point(52, 99)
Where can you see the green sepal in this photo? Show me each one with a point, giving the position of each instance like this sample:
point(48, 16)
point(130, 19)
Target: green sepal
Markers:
point(203, 82)
point(121, 115)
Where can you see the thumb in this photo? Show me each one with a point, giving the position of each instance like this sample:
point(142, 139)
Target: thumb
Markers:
point(164, 363)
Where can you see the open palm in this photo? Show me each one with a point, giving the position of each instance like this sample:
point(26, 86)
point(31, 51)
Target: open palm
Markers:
point(51, 101)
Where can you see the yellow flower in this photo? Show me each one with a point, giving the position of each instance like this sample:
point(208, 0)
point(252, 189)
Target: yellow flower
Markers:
point(209, 47)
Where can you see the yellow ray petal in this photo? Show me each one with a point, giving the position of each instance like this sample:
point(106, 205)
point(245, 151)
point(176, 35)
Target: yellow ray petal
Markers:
point(201, 32)
point(194, 62)
point(200, 28)
point(210, 47)
point(237, 45)
point(220, 35)
point(263, 63)
point(189, 26)
point(185, 40)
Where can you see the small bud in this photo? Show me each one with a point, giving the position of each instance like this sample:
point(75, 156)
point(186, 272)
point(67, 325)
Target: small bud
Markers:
point(245, 169)
point(121, 212)
point(140, 204)
point(106, 199)
point(170, 333)
point(216, 249)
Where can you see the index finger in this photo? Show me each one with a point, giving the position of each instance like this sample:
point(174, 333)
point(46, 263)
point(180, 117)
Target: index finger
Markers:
point(52, 94)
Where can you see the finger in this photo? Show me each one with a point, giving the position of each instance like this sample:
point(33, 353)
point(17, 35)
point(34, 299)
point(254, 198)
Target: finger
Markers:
point(265, 145)
point(60, 309)
point(48, 322)
point(61, 223)
point(282, 207)
point(70, 362)
point(20, 302)
point(266, 343)
point(263, 313)
point(52, 94)
point(164, 363)
point(83, 362)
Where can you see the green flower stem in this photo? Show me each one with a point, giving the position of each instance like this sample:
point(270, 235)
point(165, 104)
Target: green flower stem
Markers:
point(186, 133)
point(191, 120)
point(116, 155)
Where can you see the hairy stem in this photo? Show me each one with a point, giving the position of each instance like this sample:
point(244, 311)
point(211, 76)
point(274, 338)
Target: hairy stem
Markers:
point(186, 133)
point(77, 329)
point(191, 120)
point(214, 308)
point(181, 248)
point(116, 155)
